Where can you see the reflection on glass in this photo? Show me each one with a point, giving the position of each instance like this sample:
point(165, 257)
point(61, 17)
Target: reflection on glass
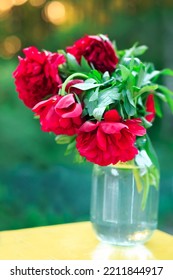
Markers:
point(105, 251)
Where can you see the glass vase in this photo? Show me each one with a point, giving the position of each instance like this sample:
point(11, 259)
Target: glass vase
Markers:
point(124, 202)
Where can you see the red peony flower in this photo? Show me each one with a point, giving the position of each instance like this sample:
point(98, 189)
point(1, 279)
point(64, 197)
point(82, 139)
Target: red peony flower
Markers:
point(109, 141)
point(70, 89)
point(150, 108)
point(98, 51)
point(59, 114)
point(37, 76)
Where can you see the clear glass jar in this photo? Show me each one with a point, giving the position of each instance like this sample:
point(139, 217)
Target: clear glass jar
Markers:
point(124, 203)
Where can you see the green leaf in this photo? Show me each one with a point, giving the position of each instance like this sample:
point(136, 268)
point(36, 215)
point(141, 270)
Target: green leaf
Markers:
point(161, 96)
point(169, 95)
point(136, 89)
point(157, 107)
point(140, 50)
point(129, 52)
point(72, 63)
point(86, 86)
point(140, 102)
point(147, 89)
point(96, 75)
point(84, 112)
point(130, 110)
point(167, 72)
point(104, 98)
point(131, 82)
point(84, 64)
point(120, 109)
point(165, 90)
point(78, 158)
point(132, 62)
point(125, 72)
point(147, 161)
point(154, 177)
point(103, 37)
point(70, 148)
point(61, 51)
point(106, 76)
point(150, 76)
point(146, 123)
point(94, 96)
point(135, 51)
point(128, 62)
point(114, 94)
point(64, 139)
point(98, 113)
point(143, 160)
point(74, 66)
point(110, 82)
point(130, 98)
point(144, 144)
point(129, 104)
point(140, 77)
point(151, 152)
point(149, 66)
point(90, 105)
point(91, 81)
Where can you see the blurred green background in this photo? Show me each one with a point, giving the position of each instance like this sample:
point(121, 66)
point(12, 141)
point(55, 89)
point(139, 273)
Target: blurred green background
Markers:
point(38, 184)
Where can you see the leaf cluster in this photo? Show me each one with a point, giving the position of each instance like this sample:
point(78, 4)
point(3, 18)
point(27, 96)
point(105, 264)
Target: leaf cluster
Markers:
point(126, 90)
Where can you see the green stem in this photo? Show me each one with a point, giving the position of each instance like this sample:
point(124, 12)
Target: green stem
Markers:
point(146, 190)
point(71, 78)
point(138, 179)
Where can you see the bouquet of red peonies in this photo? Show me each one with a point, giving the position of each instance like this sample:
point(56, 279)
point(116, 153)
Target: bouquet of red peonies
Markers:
point(97, 99)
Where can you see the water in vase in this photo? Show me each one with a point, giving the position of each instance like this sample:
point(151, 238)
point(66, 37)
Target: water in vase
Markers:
point(116, 207)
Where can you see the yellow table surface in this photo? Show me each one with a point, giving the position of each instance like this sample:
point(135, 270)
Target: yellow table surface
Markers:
point(77, 241)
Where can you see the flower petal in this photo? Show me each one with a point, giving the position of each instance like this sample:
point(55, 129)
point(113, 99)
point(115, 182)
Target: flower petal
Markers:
point(69, 87)
point(64, 123)
point(112, 116)
point(40, 105)
point(101, 140)
point(65, 101)
point(111, 128)
point(150, 108)
point(135, 128)
point(76, 112)
point(89, 126)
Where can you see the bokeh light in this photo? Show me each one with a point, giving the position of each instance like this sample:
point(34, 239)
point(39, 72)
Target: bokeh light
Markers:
point(11, 45)
point(37, 3)
point(19, 2)
point(6, 5)
point(55, 12)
